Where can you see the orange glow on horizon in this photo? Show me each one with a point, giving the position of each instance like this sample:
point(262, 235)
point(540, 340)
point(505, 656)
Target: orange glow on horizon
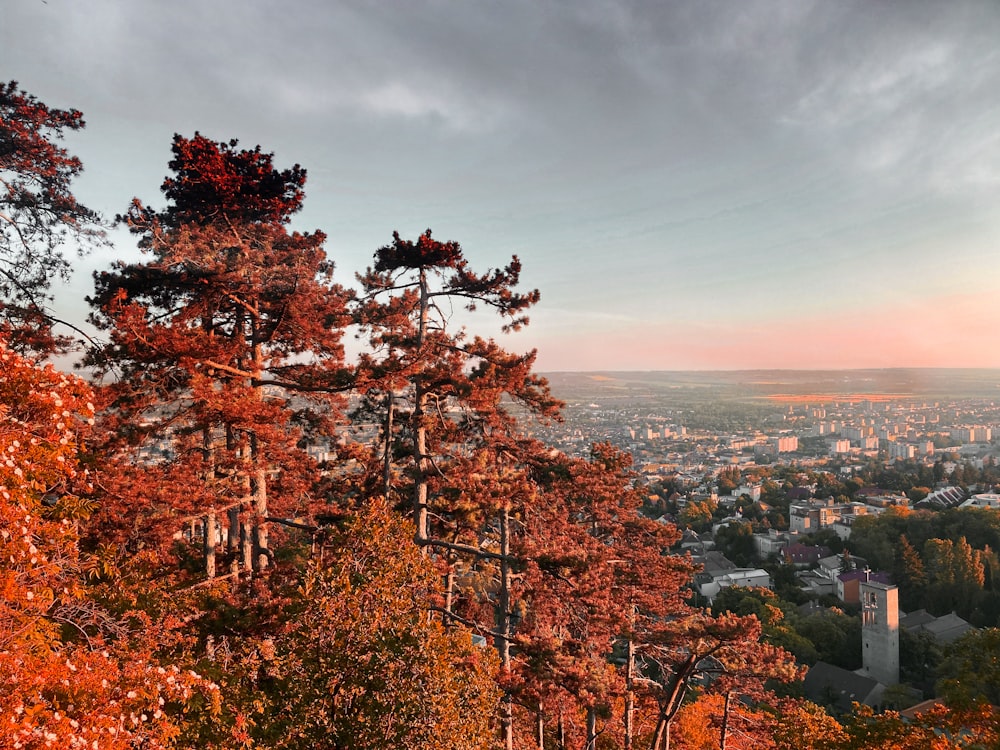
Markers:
point(951, 331)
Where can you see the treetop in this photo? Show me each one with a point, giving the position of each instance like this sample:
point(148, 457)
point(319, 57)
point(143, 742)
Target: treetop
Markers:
point(216, 182)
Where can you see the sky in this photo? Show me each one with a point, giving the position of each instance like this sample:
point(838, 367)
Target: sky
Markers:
point(691, 185)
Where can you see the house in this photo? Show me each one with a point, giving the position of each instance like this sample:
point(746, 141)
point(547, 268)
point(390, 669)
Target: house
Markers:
point(748, 578)
point(802, 555)
point(718, 572)
point(848, 584)
point(696, 543)
point(945, 629)
point(831, 566)
point(709, 586)
point(832, 686)
point(769, 543)
point(816, 585)
point(811, 516)
point(714, 563)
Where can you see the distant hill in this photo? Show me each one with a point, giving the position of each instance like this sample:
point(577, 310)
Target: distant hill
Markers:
point(939, 384)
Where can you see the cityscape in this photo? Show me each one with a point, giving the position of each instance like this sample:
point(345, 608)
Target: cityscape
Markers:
point(500, 376)
point(775, 469)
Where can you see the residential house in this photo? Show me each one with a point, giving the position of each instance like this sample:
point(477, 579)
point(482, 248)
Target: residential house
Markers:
point(945, 629)
point(849, 584)
point(838, 688)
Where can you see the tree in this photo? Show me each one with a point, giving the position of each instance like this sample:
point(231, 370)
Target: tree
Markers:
point(408, 293)
point(778, 629)
point(698, 515)
point(909, 575)
point(70, 674)
point(362, 666)
point(44, 412)
point(955, 573)
point(836, 636)
point(940, 727)
point(455, 395)
point(724, 651)
point(595, 585)
point(736, 542)
point(729, 479)
point(801, 724)
point(233, 316)
point(919, 656)
point(970, 670)
point(38, 214)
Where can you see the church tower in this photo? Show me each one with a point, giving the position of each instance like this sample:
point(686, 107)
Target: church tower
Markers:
point(880, 632)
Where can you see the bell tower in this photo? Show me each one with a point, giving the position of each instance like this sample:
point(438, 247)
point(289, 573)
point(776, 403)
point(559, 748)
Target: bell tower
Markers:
point(880, 631)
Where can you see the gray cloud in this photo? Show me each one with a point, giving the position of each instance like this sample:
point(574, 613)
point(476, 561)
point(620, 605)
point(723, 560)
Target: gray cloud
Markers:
point(599, 139)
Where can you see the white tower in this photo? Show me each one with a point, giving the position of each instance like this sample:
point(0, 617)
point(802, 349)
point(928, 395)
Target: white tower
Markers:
point(880, 632)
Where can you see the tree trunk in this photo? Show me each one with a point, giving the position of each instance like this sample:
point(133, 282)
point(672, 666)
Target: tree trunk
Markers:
point(591, 728)
point(259, 492)
point(671, 703)
point(449, 589)
point(246, 506)
point(233, 536)
point(258, 482)
point(233, 539)
point(504, 627)
point(540, 727)
point(629, 693)
point(208, 477)
point(390, 408)
point(209, 542)
point(421, 459)
point(246, 546)
point(657, 741)
point(725, 721)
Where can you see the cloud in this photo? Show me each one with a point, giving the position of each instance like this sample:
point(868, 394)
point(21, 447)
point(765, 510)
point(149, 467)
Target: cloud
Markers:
point(648, 161)
point(909, 100)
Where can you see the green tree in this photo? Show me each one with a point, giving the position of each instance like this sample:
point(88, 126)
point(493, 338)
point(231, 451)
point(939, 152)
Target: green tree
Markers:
point(776, 617)
point(836, 636)
point(363, 667)
point(970, 671)
point(698, 514)
point(956, 575)
point(735, 541)
point(920, 654)
point(909, 574)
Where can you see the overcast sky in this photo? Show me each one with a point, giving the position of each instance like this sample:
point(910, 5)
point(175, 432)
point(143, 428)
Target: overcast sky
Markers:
point(691, 185)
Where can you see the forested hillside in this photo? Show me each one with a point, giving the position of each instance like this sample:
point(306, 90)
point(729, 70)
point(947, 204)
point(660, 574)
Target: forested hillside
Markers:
point(196, 553)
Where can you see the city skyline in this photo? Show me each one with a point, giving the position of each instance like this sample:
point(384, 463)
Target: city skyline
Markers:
point(710, 186)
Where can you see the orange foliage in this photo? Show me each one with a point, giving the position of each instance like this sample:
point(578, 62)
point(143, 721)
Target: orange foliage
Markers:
point(55, 692)
point(43, 412)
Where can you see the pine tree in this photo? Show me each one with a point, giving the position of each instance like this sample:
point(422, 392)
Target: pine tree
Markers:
point(225, 343)
point(38, 214)
point(450, 388)
point(909, 574)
